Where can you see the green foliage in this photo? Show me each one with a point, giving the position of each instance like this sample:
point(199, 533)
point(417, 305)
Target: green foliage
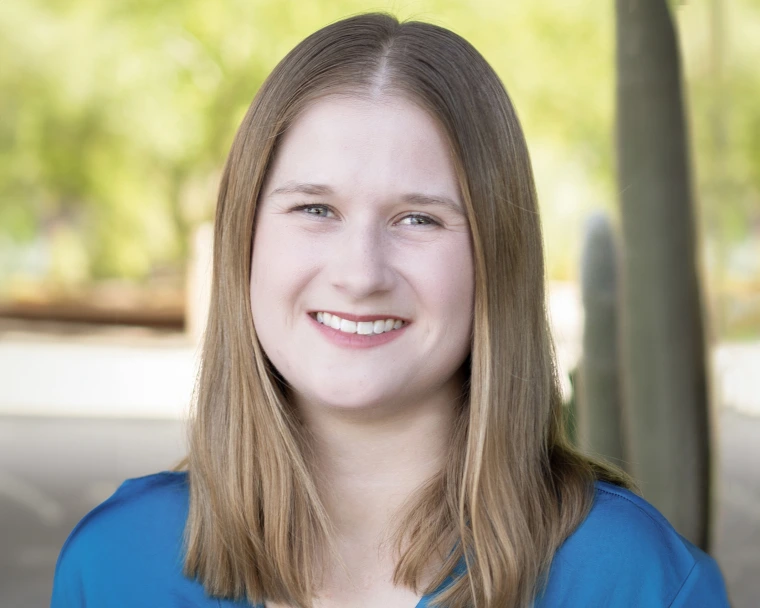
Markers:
point(115, 118)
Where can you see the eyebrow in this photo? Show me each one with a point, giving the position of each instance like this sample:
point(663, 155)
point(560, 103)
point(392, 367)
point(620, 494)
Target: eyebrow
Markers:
point(416, 198)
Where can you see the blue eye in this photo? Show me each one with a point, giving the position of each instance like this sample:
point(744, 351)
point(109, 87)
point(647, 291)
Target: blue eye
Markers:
point(313, 210)
point(420, 220)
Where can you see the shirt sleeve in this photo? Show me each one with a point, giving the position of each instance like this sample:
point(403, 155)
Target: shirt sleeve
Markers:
point(68, 588)
point(82, 549)
point(703, 587)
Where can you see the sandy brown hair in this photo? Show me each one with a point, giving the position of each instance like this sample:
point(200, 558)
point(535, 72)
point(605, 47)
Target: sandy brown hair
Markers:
point(513, 488)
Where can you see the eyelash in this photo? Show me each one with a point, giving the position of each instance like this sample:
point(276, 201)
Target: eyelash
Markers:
point(325, 207)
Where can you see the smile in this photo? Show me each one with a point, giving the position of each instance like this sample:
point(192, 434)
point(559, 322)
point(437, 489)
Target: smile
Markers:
point(365, 328)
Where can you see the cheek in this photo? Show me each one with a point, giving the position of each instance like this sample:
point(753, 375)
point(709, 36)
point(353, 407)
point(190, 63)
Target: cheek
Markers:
point(269, 289)
point(448, 279)
point(276, 262)
point(269, 272)
point(281, 268)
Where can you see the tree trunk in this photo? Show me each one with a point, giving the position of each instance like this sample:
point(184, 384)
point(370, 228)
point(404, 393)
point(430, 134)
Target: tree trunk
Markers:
point(666, 415)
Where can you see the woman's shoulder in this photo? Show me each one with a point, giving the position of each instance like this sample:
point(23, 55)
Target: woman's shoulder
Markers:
point(620, 514)
point(626, 553)
point(128, 551)
point(144, 507)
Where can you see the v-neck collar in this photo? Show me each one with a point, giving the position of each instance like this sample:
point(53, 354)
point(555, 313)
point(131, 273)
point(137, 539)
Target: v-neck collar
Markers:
point(459, 570)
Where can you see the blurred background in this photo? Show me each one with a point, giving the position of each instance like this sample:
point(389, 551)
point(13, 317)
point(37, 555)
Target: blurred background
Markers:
point(115, 121)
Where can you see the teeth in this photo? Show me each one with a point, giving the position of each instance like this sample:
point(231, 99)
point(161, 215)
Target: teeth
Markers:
point(348, 327)
point(364, 328)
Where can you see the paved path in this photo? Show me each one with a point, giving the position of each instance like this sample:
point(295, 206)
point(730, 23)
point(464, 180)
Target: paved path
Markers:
point(89, 371)
point(737, 539)
point(52, 471)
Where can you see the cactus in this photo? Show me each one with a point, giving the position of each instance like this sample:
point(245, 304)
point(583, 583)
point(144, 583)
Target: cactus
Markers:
point(598, 403)
point(666, 414)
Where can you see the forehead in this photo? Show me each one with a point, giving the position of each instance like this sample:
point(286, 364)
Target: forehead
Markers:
point(387, 142)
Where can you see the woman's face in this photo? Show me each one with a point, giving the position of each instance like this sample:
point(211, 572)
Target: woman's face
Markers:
point(361, 217)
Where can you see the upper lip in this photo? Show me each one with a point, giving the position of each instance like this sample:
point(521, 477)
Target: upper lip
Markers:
point(349, 317)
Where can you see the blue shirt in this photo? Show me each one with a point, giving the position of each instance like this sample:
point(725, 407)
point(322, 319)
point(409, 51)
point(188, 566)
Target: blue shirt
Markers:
point(127, 553)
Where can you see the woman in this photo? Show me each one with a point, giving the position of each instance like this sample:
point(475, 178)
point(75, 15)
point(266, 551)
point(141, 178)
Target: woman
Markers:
point(378, 414)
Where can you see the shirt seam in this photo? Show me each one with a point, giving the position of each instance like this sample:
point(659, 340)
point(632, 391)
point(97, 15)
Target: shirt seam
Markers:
point(644, 511)
point(683, 584)
point(659, 524)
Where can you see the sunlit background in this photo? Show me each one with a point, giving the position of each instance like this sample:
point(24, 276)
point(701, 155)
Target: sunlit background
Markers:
point(115, 121)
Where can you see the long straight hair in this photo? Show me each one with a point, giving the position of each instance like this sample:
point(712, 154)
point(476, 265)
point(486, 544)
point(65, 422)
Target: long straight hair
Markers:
point(513, 488)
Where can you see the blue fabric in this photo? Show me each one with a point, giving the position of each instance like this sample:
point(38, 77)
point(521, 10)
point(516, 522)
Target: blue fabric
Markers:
point(127, 552)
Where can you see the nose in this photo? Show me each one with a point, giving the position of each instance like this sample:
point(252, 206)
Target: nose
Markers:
point(359, 264)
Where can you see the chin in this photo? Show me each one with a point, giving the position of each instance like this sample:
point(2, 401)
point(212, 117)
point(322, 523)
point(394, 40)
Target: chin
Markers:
point(342, 399)
point(345, 402)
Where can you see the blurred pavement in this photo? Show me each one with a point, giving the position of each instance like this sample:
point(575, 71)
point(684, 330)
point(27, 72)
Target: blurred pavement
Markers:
point(52, 472)
point(89, 371)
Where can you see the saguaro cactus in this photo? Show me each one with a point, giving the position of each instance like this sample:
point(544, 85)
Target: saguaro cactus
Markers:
point(598, 404)
point(663, 346)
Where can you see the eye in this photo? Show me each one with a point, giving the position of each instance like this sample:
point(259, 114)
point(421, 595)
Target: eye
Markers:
point(419, 219)
point(313, 210)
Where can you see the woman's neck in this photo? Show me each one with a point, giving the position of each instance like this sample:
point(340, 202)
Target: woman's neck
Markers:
point(367, 469)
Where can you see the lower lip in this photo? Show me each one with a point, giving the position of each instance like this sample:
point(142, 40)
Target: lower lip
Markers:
point(341, 338)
